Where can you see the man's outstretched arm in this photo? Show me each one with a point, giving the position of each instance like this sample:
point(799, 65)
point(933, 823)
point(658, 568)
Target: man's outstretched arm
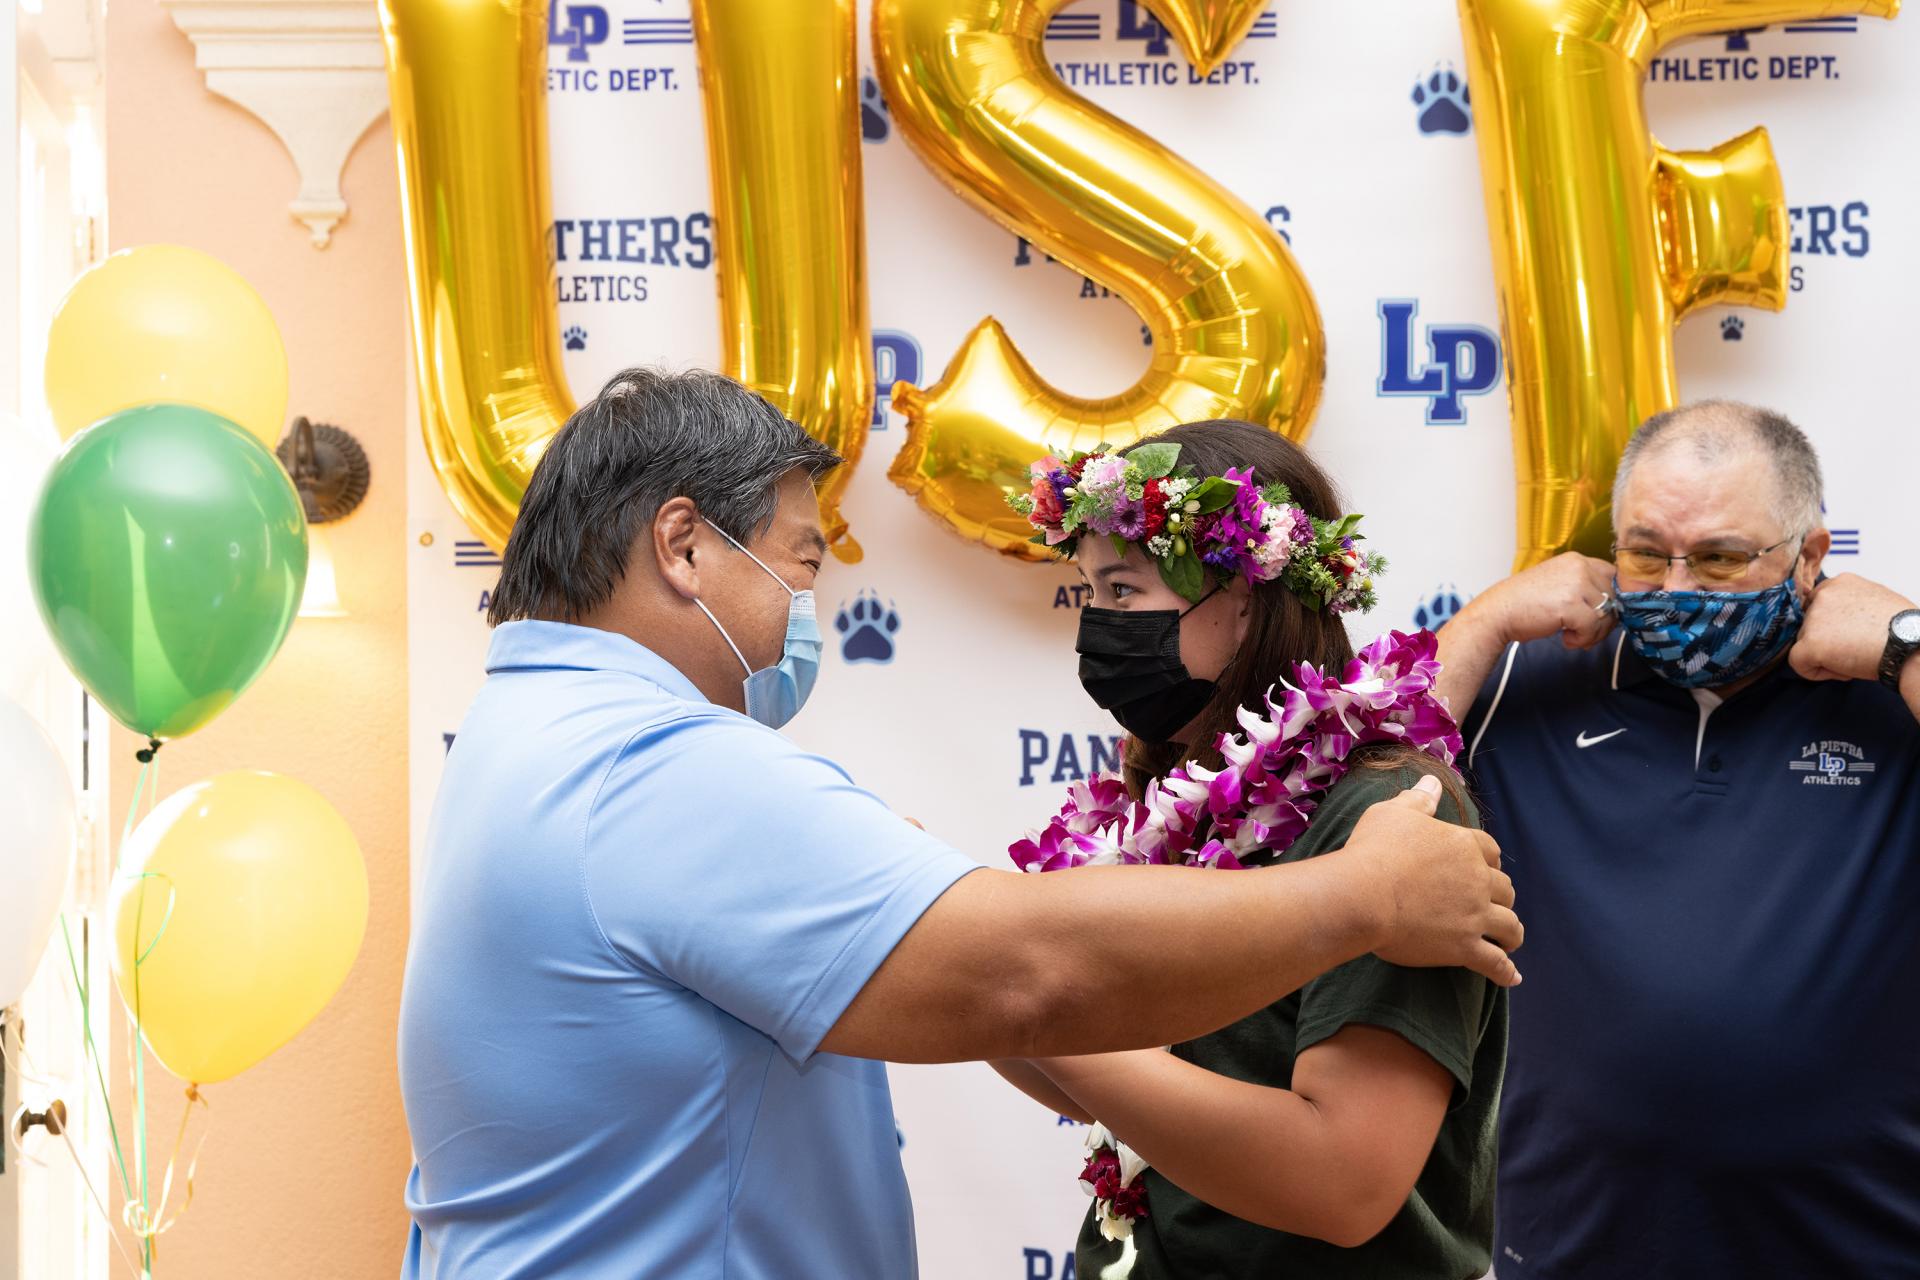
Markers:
point(1005, 965)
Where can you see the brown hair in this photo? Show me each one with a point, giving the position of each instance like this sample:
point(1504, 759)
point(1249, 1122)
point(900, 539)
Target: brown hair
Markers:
point(1282, 629)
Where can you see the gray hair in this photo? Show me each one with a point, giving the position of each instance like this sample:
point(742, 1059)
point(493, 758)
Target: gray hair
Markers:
point(650, 436)
point(1717, 430)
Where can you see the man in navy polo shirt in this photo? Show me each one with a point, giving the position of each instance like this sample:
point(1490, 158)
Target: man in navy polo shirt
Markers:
point(1703, 762)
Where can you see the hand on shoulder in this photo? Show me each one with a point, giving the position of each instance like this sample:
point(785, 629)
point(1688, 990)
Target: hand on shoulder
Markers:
point(1845, 631)
point(1447, 901)
point(1562, 595)
point(1559, 596)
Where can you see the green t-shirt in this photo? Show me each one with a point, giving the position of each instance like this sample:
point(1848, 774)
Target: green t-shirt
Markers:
point(1445, 1230)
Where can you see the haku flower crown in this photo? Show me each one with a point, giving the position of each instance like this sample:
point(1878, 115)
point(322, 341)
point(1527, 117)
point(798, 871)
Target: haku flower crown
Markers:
point(1192, 525)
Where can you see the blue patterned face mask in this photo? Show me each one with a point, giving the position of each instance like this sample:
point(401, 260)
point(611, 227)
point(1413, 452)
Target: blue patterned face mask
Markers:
point(1699, 639)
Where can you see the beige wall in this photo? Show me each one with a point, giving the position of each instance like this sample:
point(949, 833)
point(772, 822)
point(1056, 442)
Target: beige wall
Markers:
point(303, 1170)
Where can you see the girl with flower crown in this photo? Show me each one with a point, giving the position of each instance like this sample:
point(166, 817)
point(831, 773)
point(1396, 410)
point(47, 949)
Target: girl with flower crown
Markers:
point(1348, 1130)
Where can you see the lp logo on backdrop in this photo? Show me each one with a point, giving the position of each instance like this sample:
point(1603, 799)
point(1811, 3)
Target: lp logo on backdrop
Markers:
point(1132, 21)
point(586, 25)
point(1463, 360)
point(896, 358)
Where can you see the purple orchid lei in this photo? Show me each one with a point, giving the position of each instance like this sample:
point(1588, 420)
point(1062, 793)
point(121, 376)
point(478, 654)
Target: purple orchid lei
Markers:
point(1276, 770)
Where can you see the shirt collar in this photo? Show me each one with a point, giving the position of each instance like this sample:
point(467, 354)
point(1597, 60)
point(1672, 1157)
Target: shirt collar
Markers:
point(1627, 669)
point(530, 645)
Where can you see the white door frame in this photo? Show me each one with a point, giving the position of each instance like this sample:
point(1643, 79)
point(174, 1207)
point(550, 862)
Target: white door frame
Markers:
point(52, 208)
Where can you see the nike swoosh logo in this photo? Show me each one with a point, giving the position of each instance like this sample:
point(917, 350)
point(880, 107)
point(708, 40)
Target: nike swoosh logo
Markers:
point(1583, 741)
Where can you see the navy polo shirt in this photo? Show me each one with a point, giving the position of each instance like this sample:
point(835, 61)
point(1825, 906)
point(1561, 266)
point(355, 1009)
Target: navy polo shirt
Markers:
point(1714, 1069)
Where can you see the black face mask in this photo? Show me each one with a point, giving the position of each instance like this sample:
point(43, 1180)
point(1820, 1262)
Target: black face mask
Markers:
point(1130, 665)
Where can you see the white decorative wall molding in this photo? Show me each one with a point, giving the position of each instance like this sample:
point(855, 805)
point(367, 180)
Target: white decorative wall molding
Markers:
point(313, 71)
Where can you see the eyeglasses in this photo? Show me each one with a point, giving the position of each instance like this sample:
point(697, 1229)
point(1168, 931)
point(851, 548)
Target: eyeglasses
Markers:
point(1716, 566)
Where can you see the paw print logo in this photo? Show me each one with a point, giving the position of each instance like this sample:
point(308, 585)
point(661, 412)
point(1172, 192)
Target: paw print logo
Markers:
point(1737, 38)
point(874, 125)
point(867, 629)
point(575, 337)
point(1443, 101)
point(1732, 329)
point(1434, 612)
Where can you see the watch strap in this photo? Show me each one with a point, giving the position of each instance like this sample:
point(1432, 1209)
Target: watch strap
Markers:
point(1893, 659)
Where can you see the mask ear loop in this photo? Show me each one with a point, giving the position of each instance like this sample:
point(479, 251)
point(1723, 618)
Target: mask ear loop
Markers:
point(738, 656)
point(1217, 589)
point(701, 604)
point(737, 546)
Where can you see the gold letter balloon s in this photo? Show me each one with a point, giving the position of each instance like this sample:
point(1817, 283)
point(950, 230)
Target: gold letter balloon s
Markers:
point(1234, 328)
point(1602, 239)
point(468, 86)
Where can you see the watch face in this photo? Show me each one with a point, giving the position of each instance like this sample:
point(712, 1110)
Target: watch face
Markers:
point(1906, 626)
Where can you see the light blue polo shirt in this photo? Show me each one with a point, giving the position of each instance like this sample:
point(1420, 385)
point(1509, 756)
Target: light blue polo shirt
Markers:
point(639, 916)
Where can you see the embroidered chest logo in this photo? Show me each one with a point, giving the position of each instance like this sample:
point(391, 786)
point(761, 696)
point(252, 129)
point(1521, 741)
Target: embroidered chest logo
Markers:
point(1832, 764)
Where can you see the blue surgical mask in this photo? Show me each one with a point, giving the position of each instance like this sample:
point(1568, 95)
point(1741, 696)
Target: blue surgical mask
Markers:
point(1699, 639)
point(775, 694)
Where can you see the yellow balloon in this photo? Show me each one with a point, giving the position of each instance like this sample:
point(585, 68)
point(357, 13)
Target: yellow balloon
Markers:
point(238, 911)
point(783, 136)
point(162, 322)
point(1233, 323)
point(1603, 240)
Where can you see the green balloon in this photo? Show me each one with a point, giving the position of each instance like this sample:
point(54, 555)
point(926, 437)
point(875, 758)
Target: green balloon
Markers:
point(168, 552)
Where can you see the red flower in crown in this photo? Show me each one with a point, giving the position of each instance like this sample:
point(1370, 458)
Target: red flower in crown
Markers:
point(1155, 500)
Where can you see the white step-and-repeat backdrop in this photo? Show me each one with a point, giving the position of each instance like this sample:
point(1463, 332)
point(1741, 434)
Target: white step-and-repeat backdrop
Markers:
point(949, 687)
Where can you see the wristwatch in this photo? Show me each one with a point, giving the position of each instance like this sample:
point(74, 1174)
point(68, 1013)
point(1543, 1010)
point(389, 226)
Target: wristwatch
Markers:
point(1903, 641)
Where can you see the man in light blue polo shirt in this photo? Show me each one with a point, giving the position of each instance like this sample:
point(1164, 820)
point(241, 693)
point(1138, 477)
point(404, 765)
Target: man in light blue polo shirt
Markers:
point(660, 953)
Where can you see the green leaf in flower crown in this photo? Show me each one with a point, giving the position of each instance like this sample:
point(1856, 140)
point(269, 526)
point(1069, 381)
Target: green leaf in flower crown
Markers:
point(1344, 527)
point(1155, 460)
point(1184, 575)
point(1213, 493)
point(1119, 546)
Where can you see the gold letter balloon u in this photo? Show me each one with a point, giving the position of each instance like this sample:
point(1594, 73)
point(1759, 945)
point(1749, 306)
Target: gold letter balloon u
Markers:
point(468, 88)
point(1234, 328)
point(1602, 239)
